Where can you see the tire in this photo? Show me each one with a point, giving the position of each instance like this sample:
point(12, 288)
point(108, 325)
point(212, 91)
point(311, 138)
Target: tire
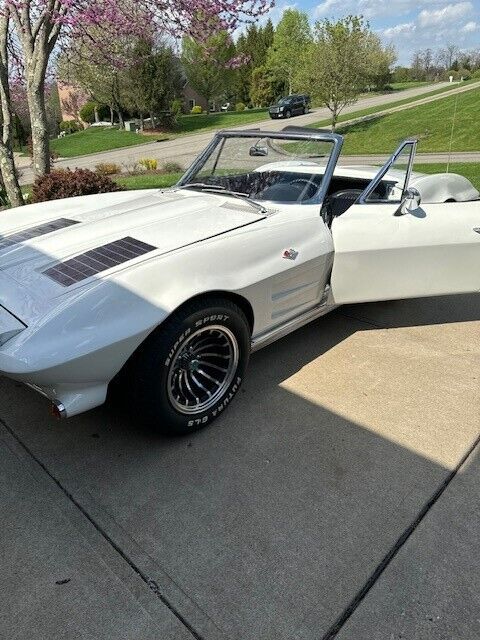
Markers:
point(288, 113)
point(180, 387)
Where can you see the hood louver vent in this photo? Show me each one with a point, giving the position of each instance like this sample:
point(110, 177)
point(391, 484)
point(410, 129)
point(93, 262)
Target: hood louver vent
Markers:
point(97, 260)
point(35, 232)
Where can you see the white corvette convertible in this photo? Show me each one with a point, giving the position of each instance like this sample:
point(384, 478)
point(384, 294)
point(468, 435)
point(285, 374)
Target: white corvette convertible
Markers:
point(168, 291)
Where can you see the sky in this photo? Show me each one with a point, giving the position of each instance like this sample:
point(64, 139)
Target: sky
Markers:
point(408, 24)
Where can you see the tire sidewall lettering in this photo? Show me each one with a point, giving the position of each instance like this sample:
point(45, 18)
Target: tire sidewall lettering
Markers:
point(214, 318)
point(214, 413)
point(219, 317)
point(177, 344)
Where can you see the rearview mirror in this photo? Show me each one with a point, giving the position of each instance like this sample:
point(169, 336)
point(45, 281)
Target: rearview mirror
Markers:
point(411, 201)
point(258, 151)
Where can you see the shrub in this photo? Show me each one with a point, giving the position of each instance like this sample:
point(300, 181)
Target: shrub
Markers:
point(149, 164)
point(87, 112)
point(64, 183)
point(240, 106)
point(172, 167)
point(196, 109)
point(107, 168)
point(70, 126)
point(176, 109)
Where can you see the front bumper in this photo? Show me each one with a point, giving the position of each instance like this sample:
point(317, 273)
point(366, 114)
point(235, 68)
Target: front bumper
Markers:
point(78, 384)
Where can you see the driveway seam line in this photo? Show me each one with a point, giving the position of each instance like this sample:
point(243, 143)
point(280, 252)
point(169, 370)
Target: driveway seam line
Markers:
point(391, 554)
point(151, 584)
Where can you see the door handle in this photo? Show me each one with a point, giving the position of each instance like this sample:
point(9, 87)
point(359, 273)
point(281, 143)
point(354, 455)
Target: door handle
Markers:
point(476, 229)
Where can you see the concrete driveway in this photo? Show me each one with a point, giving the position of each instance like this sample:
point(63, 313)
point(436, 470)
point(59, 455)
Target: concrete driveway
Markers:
point(337, 497)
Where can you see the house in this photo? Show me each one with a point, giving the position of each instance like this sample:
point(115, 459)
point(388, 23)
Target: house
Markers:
point(192, 98)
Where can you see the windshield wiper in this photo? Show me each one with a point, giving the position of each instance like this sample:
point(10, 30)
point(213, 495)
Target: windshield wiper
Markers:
point(201, 185)
point(213, 188)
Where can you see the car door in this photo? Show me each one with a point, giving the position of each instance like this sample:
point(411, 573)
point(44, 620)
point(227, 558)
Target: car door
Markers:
point(394, 247)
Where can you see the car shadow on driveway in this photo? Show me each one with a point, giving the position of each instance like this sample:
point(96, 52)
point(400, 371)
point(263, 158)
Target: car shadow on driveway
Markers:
point(266, 525)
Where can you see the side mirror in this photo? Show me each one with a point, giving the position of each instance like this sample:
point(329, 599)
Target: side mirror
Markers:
point(411, 201)
point(258, 151)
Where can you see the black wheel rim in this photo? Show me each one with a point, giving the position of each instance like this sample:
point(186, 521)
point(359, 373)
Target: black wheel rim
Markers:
point(202, 369)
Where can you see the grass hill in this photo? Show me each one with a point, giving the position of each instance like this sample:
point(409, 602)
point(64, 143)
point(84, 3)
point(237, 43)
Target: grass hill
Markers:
point(431, 123)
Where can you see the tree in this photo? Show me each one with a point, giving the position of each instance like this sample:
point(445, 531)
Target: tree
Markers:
point(261, 89)
point(446, 56)
point(95, 75)
point(253, 46)
point(287, 52)
point(423, 67)
point(338, 65)
point(7, 164)
point(152, 80)
point(33, 30)
point(207, 66)
point(380, 61)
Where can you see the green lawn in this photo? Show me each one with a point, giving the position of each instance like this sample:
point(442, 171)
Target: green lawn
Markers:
point(361, 113)
point(148, 180)
point(431, 123)
point(402, 86)
point(202, 122)
point(96, 139)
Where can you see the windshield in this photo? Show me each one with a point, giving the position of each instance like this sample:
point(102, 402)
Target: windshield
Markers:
point(265, 168)
point(284, 100)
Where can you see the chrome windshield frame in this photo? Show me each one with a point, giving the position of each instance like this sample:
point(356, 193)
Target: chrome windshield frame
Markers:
point(321, 136)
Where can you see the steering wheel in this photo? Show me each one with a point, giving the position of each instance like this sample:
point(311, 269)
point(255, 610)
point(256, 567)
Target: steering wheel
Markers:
point(307, 192)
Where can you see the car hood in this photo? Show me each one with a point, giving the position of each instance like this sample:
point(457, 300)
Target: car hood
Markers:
point(167, 220)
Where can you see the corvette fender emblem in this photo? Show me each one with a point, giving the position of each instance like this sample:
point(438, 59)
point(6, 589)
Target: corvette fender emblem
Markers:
point(290, 254)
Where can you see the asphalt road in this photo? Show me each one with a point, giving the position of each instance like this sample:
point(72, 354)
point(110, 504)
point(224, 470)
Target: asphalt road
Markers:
point(184, 149)
point(338, 497)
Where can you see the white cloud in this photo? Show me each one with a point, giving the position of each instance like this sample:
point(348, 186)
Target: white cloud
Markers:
point(372, 8)
point(445, 15)
point(405, 29)
point(470, 27)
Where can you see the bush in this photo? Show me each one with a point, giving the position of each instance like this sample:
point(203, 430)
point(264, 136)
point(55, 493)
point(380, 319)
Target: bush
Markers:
point(458, 74)
point(240, 106)
point(107, 168)
point(476, 74)
point(176, 109)
point(196, 109)
point(87, 112)
point(65, 183)
point(70, 126)
point(172, 167)
point(149, 164)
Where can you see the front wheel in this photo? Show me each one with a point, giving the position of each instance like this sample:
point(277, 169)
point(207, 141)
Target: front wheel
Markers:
point(288, 114)
point(189, 370)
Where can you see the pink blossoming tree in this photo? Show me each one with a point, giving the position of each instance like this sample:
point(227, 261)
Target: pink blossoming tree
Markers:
point(32, 31)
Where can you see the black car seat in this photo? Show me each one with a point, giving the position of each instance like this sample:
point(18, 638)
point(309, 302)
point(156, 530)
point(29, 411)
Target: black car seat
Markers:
point(338, 203)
